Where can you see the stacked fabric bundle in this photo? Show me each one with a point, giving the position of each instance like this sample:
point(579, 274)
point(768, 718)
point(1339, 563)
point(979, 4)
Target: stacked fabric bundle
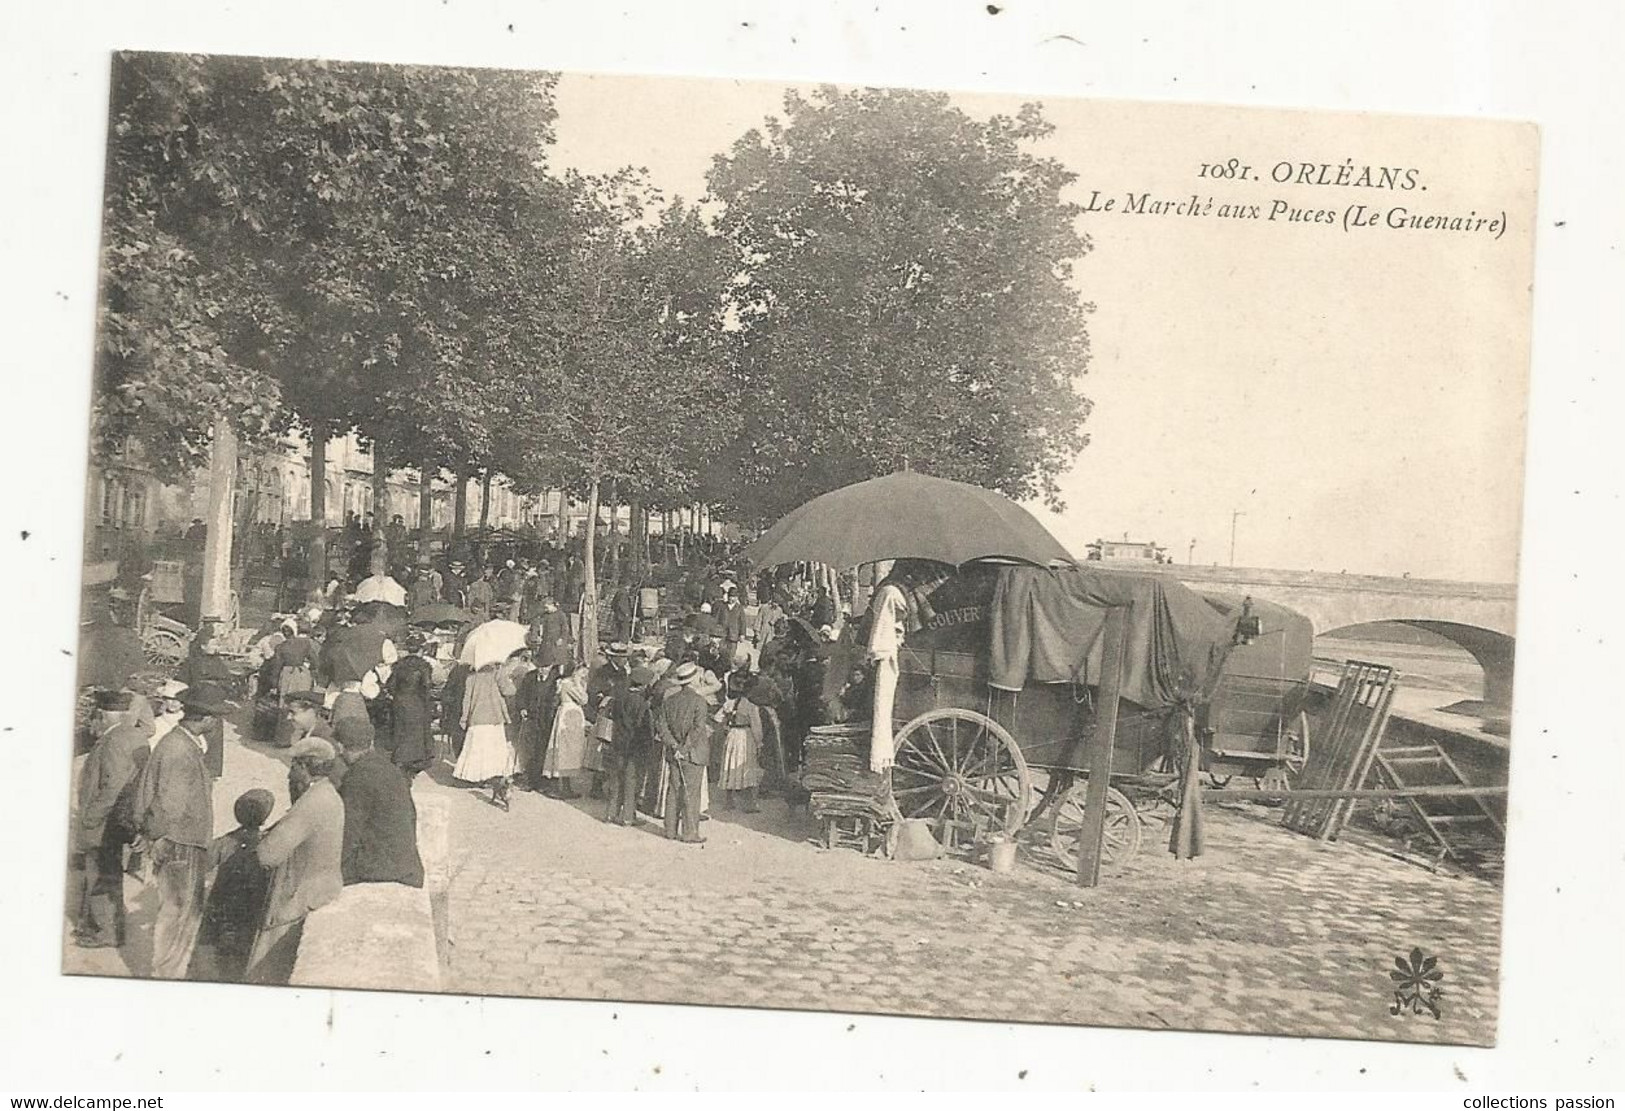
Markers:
point(837, 773)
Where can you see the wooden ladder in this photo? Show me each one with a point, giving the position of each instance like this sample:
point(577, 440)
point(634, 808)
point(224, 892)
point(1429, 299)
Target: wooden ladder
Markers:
point(1456, 825)
point(1351, 729)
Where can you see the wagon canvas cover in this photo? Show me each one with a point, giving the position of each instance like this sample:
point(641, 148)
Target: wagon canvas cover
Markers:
point(1045, 627)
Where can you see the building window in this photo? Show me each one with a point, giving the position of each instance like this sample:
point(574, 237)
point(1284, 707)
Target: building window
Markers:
point(112, 501)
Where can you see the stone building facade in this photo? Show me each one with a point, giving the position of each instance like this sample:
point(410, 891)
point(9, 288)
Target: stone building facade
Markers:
point(128, 510)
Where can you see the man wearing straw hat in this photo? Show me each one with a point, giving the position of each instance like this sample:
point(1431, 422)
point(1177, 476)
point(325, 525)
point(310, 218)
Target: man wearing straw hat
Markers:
point(683, 725)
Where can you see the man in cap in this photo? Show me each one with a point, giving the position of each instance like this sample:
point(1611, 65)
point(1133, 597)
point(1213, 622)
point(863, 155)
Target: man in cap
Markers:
point(380, 819)
point(623, 607)
point(174, 811)
point(683, 725)
point(482, 596)
point(305, 718)
point(530, 596)
point(305, 848)
point(423, 591)
point(204, 666)
point(106, 822)
point(554, 642)
point(508, 586)
point(453, 585)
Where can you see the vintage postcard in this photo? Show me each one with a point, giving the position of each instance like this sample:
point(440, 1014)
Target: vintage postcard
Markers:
point(830, 548)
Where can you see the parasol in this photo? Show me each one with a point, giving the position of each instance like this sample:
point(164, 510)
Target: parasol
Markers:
point(492, 642)
point(108, 655)
point(350, 652)
point(439, 613)
point(380, 588)
point(907, 516)
point(389, 617)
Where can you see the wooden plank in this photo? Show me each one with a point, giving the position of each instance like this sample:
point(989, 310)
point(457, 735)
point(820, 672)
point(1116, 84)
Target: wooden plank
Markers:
point(1102, 739)
point(1442, 792)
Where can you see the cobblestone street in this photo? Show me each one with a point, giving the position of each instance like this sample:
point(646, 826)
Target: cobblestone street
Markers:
point(1267, 933)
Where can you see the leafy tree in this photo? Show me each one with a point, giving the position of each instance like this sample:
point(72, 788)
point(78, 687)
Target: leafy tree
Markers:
point(300, 243)
point(619, 387)
point(181, 311)
point(905, 298)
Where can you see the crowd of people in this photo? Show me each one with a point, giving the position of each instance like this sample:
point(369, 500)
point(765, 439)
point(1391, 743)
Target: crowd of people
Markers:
point(229, 906)
point(707, 692)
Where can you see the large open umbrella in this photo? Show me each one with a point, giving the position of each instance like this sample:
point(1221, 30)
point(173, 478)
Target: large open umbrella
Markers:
point(439, 613)
point(383, 614)
point(349, 653)
point(492, 642)
point(907, 516)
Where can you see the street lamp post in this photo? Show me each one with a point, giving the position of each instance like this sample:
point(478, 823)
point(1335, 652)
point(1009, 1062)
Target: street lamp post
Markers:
point(1235, 515)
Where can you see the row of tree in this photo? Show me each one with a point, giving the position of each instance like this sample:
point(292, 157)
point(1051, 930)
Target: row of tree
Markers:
point(875, 278)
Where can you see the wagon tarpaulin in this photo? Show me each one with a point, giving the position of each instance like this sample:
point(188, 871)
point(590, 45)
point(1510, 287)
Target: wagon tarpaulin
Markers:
point(1046, 628)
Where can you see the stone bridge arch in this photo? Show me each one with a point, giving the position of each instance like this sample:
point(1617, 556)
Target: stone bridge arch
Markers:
point(1480, 617)
point(1494, 651)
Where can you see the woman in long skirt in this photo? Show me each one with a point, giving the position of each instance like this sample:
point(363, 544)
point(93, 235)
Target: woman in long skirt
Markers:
point(741, 752)
point(412, 710)
point(487, 757)
point(567, 745)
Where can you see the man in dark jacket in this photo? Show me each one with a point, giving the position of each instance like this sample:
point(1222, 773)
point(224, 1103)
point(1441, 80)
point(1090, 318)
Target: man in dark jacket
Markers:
point(203, 665)
point(731, 619)
point(380, 819)
point(554, 645)
point(629, 742)
point(175, 813)
point(107, 788)
point(683, 724)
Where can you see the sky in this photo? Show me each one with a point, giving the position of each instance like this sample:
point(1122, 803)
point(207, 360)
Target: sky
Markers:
point(1357, 397)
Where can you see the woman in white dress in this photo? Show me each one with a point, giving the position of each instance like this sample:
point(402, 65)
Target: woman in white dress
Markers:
point(567, 745)
point(487, 757)
point(741, 749)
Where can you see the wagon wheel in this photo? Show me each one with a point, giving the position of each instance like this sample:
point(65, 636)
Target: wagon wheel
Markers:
point(960, 765)
point(1298, 756)
point(163, 648)
point(1123, 826)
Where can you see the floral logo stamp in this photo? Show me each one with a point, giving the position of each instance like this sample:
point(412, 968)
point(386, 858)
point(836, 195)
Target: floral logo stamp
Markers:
point(1416, 984)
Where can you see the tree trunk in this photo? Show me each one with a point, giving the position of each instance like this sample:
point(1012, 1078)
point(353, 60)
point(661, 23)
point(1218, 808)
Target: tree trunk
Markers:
point(380, 507)
point(459, 509)
point(426, 507)
point(614, 567)
point(640, 541)
point(216, 597)
point(563, 516)
point(485, 501)
point(589, 597)
point(318, 502)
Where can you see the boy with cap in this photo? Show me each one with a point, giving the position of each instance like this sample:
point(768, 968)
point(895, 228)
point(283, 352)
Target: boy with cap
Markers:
point(108, 783)
point(380, 820)
point(236, 904)
point(175, 813)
